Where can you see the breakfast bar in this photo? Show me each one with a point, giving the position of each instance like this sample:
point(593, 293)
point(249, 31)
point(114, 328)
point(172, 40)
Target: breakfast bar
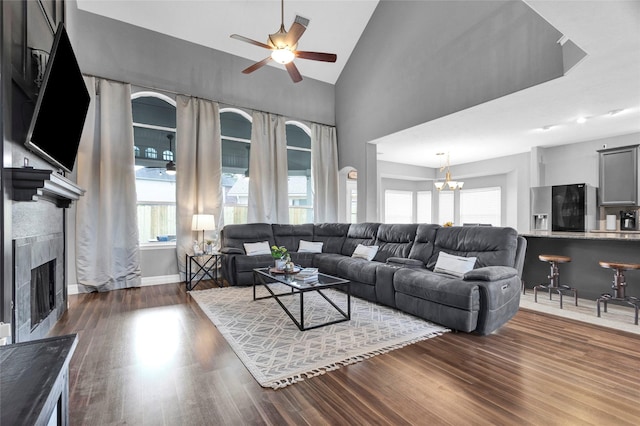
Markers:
point(586, 250)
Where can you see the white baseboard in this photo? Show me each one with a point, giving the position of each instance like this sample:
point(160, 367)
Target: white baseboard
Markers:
point(146, 281)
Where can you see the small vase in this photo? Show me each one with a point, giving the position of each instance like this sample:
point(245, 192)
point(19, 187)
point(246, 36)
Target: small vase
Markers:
point(279, 264)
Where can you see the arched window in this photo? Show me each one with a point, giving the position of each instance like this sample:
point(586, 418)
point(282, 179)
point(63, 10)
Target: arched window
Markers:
point(299, 173)
point(235, 130)
point(154, 131)
point(150, 153)
point(136, 151)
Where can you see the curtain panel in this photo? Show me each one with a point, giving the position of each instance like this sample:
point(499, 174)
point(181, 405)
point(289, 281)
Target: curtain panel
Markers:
point(199, 171)
point(324, 173)
point(268, 172)
point(107, 248)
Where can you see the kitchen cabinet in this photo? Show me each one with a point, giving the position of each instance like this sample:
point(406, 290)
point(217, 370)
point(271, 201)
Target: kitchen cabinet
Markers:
point(619, 176)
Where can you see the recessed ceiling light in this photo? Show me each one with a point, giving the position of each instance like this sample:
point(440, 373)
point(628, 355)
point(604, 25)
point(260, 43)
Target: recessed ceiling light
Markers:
point(581, 120)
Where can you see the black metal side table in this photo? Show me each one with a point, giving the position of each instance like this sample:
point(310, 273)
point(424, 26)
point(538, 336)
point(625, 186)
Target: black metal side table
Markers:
point(203, 266)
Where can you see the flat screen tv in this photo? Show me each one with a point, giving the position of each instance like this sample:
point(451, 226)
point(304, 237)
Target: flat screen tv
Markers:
point(61, 107)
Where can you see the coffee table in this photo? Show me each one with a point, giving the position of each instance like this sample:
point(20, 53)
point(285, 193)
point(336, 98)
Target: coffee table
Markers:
point(265, 277)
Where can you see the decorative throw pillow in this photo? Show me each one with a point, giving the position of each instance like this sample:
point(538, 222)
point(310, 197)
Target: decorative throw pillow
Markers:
point(365, 252)
point(454, 265)
point(255, 249)
point(310, 247)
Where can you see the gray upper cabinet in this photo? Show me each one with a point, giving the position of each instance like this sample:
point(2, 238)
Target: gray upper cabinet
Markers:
point(619, 176)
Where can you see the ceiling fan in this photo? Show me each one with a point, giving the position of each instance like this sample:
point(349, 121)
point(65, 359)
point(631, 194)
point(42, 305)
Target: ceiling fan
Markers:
point(283, 46)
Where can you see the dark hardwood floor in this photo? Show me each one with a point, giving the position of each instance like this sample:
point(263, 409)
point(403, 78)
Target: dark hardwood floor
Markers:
point(149, 356)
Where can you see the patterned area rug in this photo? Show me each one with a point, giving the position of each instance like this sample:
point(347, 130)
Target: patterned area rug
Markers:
point(277, 354)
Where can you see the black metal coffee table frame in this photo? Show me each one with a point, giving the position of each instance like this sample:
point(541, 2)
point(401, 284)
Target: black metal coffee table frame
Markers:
point(262, 276)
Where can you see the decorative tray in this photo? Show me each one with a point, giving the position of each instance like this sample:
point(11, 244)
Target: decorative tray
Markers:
point(273, 270)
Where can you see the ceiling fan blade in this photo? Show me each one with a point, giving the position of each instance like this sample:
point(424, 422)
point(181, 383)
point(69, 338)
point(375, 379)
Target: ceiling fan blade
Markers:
point(293, 72)
point(256, 66)
point(316, 56)
point(294, 34)
point(250, 41)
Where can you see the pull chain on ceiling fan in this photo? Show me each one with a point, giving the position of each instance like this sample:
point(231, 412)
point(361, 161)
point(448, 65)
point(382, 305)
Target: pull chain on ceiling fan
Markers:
point(283, 46)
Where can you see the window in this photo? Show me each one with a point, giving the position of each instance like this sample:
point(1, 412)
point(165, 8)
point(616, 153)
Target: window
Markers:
point(352, 199)
point(445, 207)
point(167, 155)
point(154, 125)
point(480, 206)
point(150, 152)
point(398, 206)
point(235, 129)
point(299, 173)
point(423, 207)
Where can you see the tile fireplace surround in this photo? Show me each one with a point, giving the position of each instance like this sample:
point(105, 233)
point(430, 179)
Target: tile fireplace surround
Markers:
point(29, 253)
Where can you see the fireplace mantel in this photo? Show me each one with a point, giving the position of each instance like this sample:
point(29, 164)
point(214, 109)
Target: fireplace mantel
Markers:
point(31, 184)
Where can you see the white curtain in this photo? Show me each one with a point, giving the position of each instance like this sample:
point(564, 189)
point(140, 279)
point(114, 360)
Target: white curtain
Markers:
point(324, 172)
point(268, 181)
point(107, 249)
point(198, 171)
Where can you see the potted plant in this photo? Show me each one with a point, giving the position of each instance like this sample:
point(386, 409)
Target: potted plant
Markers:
point(280, 255)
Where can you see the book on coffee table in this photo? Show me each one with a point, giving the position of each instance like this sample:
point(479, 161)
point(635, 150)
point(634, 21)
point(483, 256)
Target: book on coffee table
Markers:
point(307, 272)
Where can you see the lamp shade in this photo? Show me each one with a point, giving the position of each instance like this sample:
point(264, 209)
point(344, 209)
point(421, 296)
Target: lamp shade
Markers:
point(203, 222)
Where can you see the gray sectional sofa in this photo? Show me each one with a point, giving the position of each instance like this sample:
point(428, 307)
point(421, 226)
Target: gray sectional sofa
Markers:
point(401, 273)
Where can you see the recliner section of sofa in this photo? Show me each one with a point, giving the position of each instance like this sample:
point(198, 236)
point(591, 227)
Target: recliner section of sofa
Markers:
point(401, 274)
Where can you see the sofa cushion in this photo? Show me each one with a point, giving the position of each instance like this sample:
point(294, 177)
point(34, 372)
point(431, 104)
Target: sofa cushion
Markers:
point(290, 235)
point(394, 240)
point(493, 246)
point(358, 270)
point(256, 249)
point(359, 233)
point(365, 252)
point(422, 247)
point(310, 246)
point(332, 235)
point(234, 236)
point(454, 265)
point(327, 263)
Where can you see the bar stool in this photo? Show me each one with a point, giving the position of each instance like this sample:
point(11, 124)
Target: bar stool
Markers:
point(554, 278)
point(619, 286)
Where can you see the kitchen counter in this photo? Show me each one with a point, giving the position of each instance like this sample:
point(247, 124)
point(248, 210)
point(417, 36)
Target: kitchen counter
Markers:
point(593, 235)
point(586, 249)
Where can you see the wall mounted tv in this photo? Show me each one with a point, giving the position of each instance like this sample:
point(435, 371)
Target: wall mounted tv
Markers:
point(61, 107)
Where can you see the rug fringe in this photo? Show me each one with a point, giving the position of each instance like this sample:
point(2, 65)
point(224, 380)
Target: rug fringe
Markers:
point(283, 383)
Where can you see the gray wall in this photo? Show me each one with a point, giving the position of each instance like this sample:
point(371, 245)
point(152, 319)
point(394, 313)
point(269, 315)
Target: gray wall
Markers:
point(471, 52)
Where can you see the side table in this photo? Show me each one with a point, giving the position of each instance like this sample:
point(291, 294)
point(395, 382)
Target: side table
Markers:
point(202, 266)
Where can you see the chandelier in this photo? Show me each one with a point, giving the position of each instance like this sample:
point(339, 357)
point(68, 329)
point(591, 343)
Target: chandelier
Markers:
point(448, 182)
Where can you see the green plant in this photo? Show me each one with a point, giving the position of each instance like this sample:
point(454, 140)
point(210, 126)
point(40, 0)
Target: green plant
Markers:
point(278, 252)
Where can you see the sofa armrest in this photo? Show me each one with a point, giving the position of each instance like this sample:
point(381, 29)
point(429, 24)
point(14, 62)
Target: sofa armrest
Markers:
point(490, 273)
point(404, 262)
point(231, 250)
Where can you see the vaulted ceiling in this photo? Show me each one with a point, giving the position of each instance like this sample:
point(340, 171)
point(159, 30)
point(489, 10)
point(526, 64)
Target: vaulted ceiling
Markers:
point(606, 80)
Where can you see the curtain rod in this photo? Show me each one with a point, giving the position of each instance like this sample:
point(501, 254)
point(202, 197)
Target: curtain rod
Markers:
point(172, 92)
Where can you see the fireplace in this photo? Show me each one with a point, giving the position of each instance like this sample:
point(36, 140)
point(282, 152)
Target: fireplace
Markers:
point(39, 290)
point(43, 291)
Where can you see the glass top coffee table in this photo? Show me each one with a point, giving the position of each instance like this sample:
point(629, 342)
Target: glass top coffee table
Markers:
point(266, 276)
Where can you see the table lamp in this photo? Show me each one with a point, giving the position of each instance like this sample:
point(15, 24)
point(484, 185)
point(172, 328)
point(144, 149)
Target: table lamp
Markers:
point(203, 222)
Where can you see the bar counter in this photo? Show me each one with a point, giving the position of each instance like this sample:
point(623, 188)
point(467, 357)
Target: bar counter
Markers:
point(586, 249)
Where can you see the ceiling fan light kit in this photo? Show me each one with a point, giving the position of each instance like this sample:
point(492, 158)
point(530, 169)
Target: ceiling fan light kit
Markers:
point(283, 45)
